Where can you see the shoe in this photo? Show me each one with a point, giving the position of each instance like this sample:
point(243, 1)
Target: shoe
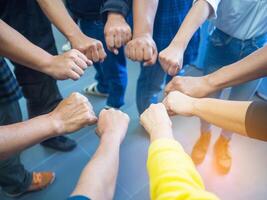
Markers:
point(261, 95)
point(92, 90)
point(222, 155)
point(66, 47)
point(60, 143)
point(200, 148)
point(40, 180)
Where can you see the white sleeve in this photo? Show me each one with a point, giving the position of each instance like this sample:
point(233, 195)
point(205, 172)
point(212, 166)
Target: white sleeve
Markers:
point(214, 5)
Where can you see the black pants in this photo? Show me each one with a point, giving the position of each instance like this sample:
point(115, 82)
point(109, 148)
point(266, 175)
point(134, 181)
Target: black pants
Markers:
point(13, 177)
point(40, 90)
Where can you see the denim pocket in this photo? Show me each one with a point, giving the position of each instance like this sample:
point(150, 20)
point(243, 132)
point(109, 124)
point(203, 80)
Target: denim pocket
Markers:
point(219, 39)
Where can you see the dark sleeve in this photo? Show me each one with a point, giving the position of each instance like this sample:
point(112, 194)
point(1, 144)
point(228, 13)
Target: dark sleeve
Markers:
point(78, 198)
point(256, 120)
point(120, 6)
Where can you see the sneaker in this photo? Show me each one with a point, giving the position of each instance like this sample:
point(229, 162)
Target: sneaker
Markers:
point(222, 155)
point(200, 148)
point(60, 143)
point(66, 47)
point(92, 90)
point(40, 180)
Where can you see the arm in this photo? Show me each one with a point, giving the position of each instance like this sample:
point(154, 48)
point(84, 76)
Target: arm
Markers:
point(70, 115)
point(171, 58)
point(98, 179)
point(142, 47)
point(57, 13)
point(245, 118)
point(18, 48)
point(253, 66)
point(171, 171)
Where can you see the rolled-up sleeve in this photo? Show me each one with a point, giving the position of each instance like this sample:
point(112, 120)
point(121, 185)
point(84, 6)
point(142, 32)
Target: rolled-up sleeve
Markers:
point(119, 6)
point(214, 5)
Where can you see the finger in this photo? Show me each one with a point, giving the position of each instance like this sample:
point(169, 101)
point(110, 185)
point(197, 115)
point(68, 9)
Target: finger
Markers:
point(148, 53)
point(115, 51)
point(73, 75)
point(127, 50)
point(169, 88)
point(139, 54)
point(118, 41)
point(95, 55)
point(84, 58)
point(132, 53)
point(153, 59)
point(173, 70)
point(101, 52)
point(77, 69)
point(80, 62)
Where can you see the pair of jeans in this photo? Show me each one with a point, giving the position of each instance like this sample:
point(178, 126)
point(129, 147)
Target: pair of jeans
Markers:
point(40, 90)
point(111, 75)
point(170, 15)
point(14, 178)
point(222, 49)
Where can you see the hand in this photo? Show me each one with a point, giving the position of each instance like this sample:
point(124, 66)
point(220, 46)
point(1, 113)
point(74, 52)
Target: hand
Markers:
point(117, 32)
point(113, 123)
point(67, 65)
point(142, 48)
point(72, 113)
point(179, 103)
point(157, 122)
point(92, 48)
point(192, 86)
point(171, 60)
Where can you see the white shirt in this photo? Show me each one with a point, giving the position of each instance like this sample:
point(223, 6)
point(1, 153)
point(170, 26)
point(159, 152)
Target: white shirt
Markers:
point(242, 19)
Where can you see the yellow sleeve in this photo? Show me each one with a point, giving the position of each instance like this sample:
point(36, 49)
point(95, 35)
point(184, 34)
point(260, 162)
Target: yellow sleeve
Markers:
point(172, 173)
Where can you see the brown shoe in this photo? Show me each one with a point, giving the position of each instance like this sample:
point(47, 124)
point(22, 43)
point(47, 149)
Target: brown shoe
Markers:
point(40, 180)
point(222, 155)
point(200, 148)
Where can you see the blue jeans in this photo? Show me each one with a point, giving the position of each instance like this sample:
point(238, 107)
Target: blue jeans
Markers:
point(222, 50)
point(170, 15)
point(111, 75)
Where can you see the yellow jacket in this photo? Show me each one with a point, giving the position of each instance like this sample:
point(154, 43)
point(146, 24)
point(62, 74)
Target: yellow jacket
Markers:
point(172, 173)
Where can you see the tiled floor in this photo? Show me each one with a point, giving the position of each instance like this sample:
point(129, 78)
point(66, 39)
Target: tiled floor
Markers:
point(247, 179)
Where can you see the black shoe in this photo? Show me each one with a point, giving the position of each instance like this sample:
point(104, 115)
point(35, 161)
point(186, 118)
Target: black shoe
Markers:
point(60, 143)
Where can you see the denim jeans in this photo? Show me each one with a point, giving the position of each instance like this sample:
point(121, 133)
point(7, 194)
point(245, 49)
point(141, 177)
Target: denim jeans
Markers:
point(111, 75)
point(14, 178)
point(222, 50)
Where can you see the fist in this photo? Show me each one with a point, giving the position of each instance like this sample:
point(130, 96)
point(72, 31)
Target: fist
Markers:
point(67, 65)
point(73, 113)
point(156, 120)
point(179, 103)
point(117, 32)
point(142, 48)
point(171, 60)
point(192, 86)
point(112, 123)
point(92, 48)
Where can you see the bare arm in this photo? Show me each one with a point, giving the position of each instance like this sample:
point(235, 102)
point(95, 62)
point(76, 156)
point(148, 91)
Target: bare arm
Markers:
point(142, 47)
point(70, 115)
point(57, 13)
point(171, 58)
point(249, 68)
point(98, 179)
point(16, 47)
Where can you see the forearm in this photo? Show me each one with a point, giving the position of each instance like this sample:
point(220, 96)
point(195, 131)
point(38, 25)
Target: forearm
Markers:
point(17, 48)
point(144, 13)
point(98, 179)
point(57, 13)
point(197, 15)
point(230, 115)
point(16, 137)
point(251, 67)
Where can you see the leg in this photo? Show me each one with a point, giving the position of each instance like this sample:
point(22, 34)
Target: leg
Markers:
point(149, 85)
point(14, 178)
point(111, 75)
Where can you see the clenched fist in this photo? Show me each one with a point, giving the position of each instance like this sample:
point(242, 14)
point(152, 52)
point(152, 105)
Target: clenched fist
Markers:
point(171, 60)
point(92, 48)
point(192, 86)
point(73, 113)
point(67, 65)
point(117, 32)
point(142, 48)
point(113, 123)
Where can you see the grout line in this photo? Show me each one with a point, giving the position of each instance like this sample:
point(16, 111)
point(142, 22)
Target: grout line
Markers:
point(131, 197)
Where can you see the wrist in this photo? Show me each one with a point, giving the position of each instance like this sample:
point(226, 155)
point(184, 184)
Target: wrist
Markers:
point(142, 34)
point(179, 45)
point(45, 64)
point(212, 82)
point(115, 16)
point(57, 127)
point(161, 133)
point(111, 138)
